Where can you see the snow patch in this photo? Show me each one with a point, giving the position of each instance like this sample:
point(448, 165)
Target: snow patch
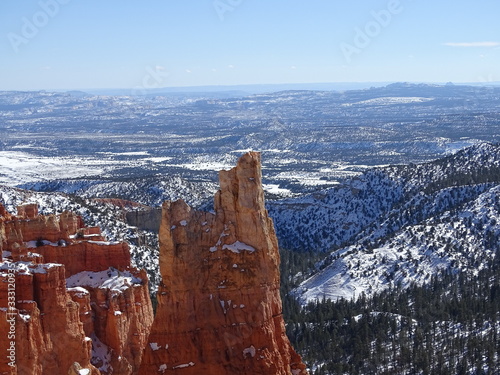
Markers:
point(27, 267)
point(154, 346)
point(109, 279)
point(238, 246)
point(250, 351)
point(101, 354)
point(190, 364)
point(80, 292)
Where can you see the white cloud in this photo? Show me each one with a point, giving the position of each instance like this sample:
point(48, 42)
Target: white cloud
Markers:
point(473, 44)
point(188, 71)
point(230, 66)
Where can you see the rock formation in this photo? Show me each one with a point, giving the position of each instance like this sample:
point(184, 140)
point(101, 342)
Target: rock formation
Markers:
point(48, 336)
point(69, 301)
point(219, 308)
point(59, 239)
point(148, 218)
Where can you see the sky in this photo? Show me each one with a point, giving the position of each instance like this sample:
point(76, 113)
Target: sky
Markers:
point(136, 45)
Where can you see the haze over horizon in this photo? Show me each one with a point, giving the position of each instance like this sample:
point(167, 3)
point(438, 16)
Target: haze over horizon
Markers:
point(67, 44)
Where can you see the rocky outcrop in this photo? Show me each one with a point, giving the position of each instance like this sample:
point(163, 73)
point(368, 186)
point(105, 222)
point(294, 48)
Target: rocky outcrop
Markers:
point(75, 304)
point(219, 308)
point(82, 256)
point(59, 239)
point(47, 336)
point(29, 226)
point(145, 218)
point(121, 316)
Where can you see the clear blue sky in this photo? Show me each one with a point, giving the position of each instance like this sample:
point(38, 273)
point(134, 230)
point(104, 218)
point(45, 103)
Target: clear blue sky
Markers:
point(79, 44)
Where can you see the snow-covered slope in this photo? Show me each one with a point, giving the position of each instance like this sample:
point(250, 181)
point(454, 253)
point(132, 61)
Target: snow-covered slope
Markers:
point(151, 191)
point(448, 218)
point(383, 199)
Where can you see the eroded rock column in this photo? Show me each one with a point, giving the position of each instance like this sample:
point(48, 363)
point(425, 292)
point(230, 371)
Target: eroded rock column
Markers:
point(219, 308)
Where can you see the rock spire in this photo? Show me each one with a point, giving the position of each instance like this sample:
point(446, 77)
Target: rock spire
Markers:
point(219, 308)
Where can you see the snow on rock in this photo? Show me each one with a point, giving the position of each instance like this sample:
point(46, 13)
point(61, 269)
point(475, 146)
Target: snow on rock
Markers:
point(154, 346)
point(33, 244)
point(101, 354)
point(238, 246)
point(27, 267)
point(80, 292)
point(249, 351)
point(109, 279)
point(184, 365)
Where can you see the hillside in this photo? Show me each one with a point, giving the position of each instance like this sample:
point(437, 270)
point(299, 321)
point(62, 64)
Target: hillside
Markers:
point(336, 216)
point(415, 221)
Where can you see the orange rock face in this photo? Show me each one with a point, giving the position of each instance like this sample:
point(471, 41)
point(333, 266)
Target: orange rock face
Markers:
point(116, 313)
point(17, 231)
point(87, 256)
point(47, 335)
point(219, 308)
point(62, 308)
point(59, 239)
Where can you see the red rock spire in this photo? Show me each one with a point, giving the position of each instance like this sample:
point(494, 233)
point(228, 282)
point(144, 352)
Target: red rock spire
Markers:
point(219, 308)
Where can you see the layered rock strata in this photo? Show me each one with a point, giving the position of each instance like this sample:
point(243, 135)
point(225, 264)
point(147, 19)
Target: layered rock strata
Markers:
point(46, 334)
point(219, 308)
point(59, 239)
point(69, 300)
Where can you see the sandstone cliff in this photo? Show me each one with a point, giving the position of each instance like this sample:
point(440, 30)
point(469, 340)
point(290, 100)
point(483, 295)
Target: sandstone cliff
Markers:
point(48, 336)
point(69, 300)
point(219, 308)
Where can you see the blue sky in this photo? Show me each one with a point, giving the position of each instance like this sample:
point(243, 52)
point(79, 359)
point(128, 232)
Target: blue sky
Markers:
point(82, 44)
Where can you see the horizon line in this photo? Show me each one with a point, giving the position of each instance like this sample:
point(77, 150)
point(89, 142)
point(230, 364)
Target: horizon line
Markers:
point(187, 89)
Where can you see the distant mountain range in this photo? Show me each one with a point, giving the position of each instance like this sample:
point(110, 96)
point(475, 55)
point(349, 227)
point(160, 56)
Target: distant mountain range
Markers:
point(220, 91)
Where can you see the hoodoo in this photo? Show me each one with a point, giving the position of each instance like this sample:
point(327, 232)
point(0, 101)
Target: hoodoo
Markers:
point(219, 308)
point(70, 302)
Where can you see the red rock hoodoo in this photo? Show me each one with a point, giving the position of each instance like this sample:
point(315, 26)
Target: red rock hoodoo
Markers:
point(69, 301)
point(219, 308)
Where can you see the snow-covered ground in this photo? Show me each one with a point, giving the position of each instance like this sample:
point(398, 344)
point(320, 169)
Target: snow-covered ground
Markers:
point(391, 100)
point(18, 167)
point(458, 241)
